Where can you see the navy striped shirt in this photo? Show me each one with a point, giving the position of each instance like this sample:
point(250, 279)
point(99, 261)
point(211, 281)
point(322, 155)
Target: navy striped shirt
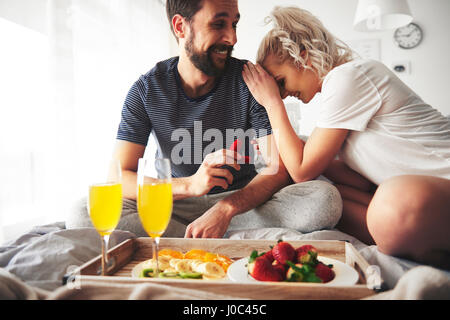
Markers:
point(187, 129)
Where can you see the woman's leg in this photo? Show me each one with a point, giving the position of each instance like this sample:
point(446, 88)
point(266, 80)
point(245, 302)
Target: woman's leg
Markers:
point(354, 210)
point(340, 173)
point(356, 192)
point(409, 217)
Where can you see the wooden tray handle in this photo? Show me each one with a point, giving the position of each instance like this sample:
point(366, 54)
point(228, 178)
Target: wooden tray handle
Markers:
point(370, 275)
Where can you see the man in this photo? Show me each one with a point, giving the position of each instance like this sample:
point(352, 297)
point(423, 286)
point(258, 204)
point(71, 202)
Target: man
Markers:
point(196, 96)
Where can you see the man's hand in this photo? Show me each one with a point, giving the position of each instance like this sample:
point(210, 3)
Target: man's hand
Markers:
point(211, 174)
point(215, 222)
point(212, 224)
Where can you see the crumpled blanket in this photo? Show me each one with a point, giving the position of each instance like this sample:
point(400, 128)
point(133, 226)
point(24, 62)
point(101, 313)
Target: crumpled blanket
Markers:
point(45, 254)
point(419, 283)
point(32, 267)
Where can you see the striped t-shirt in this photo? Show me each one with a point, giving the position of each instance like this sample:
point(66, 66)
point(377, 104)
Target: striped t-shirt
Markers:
point(187, 129)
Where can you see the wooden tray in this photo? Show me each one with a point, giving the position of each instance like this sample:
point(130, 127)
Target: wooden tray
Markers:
point(125, 256)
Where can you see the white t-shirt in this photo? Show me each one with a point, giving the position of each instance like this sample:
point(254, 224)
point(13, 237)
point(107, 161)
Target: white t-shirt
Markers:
point(393, 132)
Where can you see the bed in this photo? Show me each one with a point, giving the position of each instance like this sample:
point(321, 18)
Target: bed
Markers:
point(33, 265)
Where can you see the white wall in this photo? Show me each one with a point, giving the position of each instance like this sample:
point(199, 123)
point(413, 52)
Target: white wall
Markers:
point(29, 13)
point(430, 65)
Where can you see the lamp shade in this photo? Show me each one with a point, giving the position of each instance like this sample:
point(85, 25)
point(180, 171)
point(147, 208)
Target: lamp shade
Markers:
point(379, 15)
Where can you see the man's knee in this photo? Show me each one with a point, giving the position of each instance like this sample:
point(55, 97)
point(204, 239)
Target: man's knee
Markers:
point(317, 201)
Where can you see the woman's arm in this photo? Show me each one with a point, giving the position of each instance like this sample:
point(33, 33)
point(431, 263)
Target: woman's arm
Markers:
point(303, 161)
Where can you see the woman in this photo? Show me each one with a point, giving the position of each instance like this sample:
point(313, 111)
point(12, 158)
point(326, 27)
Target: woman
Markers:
point(386, 138)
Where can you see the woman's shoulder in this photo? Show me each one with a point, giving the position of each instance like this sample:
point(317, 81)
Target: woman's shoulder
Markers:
point(346, 74)
point(356, 66)
point(356, 72)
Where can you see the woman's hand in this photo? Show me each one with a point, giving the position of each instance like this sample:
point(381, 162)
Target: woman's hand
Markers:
point(262, 86)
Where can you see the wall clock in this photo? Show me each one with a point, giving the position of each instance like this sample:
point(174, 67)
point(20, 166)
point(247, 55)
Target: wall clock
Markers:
point(409, 36)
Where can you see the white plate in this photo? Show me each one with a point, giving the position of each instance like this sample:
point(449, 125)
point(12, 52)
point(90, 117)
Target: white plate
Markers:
point(344, 274)
point(136, 272)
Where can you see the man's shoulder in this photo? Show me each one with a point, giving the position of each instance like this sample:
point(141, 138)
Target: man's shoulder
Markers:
point(234, 71)
point(236, 64)
point(162, 69)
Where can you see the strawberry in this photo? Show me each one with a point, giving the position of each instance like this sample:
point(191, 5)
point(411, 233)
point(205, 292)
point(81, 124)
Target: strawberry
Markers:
point(302, 273)
point(293, 275)
point(324, 272)
point(283, 251)
point(269, 256)
point(306, 254)
point(263, 270)
point(280, 269)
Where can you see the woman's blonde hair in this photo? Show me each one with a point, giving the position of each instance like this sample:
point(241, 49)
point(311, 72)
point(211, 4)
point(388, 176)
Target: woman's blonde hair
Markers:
point(297, 30)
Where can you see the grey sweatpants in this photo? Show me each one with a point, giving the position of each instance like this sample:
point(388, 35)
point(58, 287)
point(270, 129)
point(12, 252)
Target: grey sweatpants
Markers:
point(306, 207)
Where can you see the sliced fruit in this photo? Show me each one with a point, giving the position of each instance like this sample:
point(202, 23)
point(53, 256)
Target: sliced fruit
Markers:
point(211, 269)
point(164, 262)
point(169, 275)
point(183, 265)
point(147, 273)
point(224, 265)
point(171, 253)
point(195, 263)
point(224, 258)
point(173, 262)
point(209, 257)
point(221, 260)
point(191, 275)
point(149, 264)
point(195, 254)
point(170, 270)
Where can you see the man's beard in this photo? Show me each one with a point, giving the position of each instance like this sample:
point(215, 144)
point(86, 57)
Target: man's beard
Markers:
point(203, 60)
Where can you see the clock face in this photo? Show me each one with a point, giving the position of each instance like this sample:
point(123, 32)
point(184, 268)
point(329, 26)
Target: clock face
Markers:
point(409, 36)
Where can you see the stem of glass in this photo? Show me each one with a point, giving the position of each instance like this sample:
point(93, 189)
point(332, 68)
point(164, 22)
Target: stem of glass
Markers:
point(105, 241)
point(155, 253)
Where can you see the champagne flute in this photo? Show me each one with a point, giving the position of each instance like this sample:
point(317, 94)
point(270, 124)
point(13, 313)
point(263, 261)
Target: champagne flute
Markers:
point(105, 206)
point(154, 199)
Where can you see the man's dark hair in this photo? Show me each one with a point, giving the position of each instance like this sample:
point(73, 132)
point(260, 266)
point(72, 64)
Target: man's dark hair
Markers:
point(185, 8)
